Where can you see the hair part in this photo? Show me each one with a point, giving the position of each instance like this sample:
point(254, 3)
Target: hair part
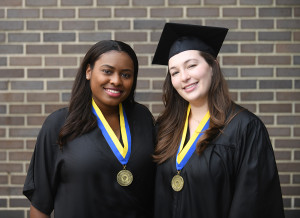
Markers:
point(171, 121)
point(80, 118)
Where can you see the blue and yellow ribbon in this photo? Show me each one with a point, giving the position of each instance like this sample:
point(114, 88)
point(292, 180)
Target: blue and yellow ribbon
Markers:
point(184, 153)
point(121, 153)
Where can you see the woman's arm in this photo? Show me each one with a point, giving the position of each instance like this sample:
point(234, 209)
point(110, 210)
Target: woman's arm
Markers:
point(35, 213)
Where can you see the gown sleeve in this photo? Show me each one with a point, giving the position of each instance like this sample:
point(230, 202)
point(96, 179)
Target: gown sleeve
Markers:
point(40, 185)
point(257, 192)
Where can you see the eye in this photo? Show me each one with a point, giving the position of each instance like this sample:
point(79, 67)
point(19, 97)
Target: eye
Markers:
point(191, 66)
point(106, 71)
point(174, 73)
point(126, 75)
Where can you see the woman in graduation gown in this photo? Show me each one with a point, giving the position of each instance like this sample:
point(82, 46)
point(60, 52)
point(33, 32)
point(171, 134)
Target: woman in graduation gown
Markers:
point(214, 157)
point(93, 159)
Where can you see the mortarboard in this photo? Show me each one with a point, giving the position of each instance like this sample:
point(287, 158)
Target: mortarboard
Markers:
point(176, 38)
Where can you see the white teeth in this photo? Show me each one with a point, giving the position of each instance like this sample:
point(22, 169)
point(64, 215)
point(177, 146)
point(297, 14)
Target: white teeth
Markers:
point(190, 86)
point(113, 91)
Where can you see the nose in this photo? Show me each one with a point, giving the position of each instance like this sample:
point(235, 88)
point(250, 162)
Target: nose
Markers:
point(115, 79)
point(185, 75)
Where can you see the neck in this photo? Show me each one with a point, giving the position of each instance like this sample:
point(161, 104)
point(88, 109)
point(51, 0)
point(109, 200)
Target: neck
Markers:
point(198, 111)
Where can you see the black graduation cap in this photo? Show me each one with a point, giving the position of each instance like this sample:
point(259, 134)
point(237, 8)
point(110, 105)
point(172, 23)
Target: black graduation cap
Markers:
point(177, 38)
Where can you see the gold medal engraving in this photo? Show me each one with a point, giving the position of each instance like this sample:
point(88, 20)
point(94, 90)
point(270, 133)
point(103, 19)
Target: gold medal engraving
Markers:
point(124, 177)
point(177, 183)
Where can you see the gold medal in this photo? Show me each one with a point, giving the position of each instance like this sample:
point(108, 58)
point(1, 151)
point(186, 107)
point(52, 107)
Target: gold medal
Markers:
point(124, 177)
point(177, 183)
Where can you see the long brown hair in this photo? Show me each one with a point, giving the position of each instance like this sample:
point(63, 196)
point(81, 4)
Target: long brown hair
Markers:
point(80, 118)
point(171, 121)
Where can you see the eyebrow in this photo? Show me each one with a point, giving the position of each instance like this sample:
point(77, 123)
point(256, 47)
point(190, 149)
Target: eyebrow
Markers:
point(111, 67)
point(188, 60)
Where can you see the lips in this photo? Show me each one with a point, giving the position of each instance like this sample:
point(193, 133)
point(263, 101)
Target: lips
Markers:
point(190, 86)
point(113, 92)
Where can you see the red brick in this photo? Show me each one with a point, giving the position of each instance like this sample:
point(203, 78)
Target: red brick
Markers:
point(241, 84)
point(267, 119)
point(2, 132)
point(3, 180)
point(157, 108)
point(35, 120)
point(282, 155)
point(30, 109)
point(275, 84)
point(202, 12)
point(250, 107)
point(114, 24)
point(274, 60)
point(130, 12)
point(59, 13)
point(288, 24)
point(23, 13)
point(11, 97)
point(11, 144)
point(288, 143)
point(20, 156)
point(219, 2)
point(26, 61)
point(17, 179)
point(239, 60)
point(42, 97)
point(75, 49)
point(274, 36)
point(76, 2)
point(288, 167)
point(131, 36)
point(275, 108)
point(3, 156)
point(275, 12)
point(78, 25)
point(229, 23)
point(17, 202)
point(296, 131)
point(166, 12)
point(146, 96)
point(11, 121)
point(290, 190)
point(23, 132)
point(256, 48)
point(11, 3)
point(296, 36)
point(256, 96)
point(288, 96)
point(157, 84)
point(239, 12)
point(41, 3)
point(290, 119)
point(11, 25)
point(59, 37)
point(30, 144)
point(10, 167)
point(42, 25)
point(60, 61)
point(143, 84)
point(288, 48)
point(148, 24)
point(69, 73)
point(43, 73)
point(257, 72)
point(279, 131)
point(11, 49)
point(151, 72)
point(42, 49)
point(113, 2)
point(60, 85)
point(144, 48)
point(12, 213)
point(257, 24)
point(288, 72)
point(287, 2)
point(94, 36)
point(144, 2)
point(49, 108)
point(23, 37)
point(256, 2)
point(27, 85)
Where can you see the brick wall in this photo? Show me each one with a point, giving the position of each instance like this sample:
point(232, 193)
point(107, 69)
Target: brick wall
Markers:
point(43, 41)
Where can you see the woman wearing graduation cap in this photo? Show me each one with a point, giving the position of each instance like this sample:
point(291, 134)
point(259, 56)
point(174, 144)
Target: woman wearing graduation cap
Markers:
point(93, 159)
point(214, 157)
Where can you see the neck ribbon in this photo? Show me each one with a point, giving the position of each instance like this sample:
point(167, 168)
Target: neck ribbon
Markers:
point(185, 152)
point(121, 153)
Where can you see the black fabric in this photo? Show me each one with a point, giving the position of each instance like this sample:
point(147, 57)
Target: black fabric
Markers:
point(80, 180)
point(177, 37)
point(235, 177)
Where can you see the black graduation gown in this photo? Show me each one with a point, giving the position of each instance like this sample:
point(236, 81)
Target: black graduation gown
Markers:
point(80, 180)
point(235, 177)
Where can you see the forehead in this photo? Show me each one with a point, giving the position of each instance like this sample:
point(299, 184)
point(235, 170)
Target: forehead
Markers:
point(184, 57)
point(115, 58)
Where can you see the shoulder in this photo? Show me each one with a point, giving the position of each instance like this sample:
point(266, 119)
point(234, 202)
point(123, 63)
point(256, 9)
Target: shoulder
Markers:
point(56, 119)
